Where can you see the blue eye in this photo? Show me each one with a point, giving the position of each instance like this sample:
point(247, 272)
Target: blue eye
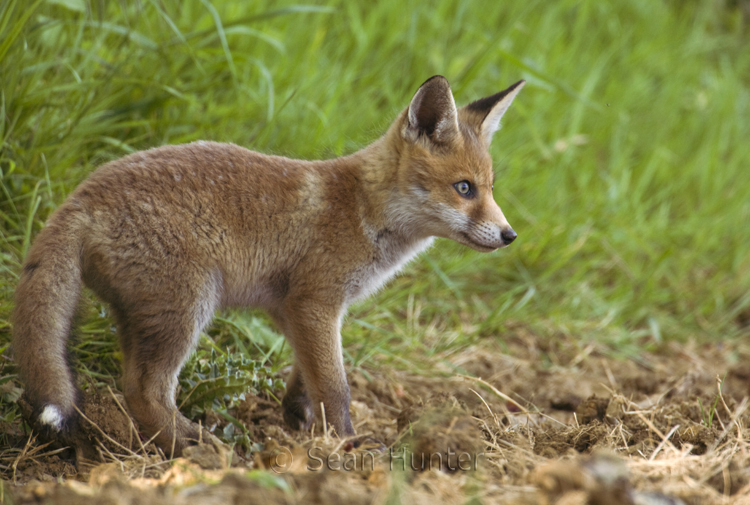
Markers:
point(463, 188)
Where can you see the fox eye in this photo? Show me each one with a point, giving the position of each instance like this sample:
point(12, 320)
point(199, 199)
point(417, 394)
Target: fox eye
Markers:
point(463, 188)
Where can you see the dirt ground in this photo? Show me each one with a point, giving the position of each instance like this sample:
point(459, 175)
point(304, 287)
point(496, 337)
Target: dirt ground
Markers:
point(536, 422)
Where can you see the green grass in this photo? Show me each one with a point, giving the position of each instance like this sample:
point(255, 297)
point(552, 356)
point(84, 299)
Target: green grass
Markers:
point(623, 165)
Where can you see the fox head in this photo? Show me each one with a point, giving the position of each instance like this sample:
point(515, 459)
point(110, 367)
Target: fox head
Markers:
point(445, 169)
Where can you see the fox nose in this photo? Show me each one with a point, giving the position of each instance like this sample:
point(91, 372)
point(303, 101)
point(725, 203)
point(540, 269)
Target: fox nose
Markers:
point(508, 236)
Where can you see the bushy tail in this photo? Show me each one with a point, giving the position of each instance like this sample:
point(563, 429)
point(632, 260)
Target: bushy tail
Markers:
point(46, 301)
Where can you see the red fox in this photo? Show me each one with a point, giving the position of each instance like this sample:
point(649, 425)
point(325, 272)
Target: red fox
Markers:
point(169, 235)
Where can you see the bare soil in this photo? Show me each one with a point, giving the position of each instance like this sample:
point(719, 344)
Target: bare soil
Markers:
point(534, 422)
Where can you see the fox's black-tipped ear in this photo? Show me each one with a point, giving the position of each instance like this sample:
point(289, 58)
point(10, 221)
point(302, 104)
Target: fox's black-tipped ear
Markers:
point(487, 112)
point(432, 112)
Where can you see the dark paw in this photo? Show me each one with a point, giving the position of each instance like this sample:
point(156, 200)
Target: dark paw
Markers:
point(86, 455)
point(298, 411)
point(365, 443)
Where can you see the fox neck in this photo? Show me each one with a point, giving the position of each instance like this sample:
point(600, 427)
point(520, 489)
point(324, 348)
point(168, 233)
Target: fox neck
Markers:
point(383, 204)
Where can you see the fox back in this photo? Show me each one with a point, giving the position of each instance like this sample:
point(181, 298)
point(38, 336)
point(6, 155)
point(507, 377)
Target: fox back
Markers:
point(168, 236)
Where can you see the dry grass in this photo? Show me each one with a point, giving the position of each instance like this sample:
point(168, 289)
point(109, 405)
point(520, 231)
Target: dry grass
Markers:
point(637, 435)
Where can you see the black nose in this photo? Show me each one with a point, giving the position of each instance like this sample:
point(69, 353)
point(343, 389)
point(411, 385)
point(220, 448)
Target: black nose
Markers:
point(508, 236)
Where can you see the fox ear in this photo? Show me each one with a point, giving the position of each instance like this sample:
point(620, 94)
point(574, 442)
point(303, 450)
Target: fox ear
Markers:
point(487, 112)
point(432, 112)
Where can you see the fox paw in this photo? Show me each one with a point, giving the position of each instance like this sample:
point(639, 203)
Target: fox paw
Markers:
point(298, 411)
point(365, 443)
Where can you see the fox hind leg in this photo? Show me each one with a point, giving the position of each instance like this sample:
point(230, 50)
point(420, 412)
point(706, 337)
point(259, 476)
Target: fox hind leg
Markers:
point(155, 347)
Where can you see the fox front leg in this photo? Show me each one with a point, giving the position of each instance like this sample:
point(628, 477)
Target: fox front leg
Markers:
point(318, 377)
point(297, 405)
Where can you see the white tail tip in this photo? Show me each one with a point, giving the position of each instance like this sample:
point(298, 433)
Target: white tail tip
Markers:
point(51, 416)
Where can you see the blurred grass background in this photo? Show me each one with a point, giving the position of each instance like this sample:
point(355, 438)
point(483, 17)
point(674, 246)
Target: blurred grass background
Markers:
point(623, 165)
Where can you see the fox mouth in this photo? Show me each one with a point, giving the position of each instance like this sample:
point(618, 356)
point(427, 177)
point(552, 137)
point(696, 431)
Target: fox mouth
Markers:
point(467, 240)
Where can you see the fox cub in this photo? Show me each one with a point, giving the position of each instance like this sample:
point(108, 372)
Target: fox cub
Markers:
point(168, 236)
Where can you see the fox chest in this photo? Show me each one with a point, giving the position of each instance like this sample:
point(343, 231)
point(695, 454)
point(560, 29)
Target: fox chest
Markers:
point(389, 255)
